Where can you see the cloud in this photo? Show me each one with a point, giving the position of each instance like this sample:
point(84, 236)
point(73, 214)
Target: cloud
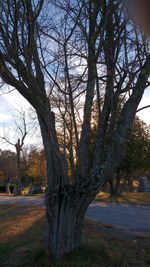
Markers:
point(4, 104)
point(145, 114)
point(5, 109)
point(8, 104)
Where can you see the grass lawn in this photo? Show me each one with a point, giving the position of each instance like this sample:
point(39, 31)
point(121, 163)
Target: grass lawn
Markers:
point(21, 243)
point(126, 198)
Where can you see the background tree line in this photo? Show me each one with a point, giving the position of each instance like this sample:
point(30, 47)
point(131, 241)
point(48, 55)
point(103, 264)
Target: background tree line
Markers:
point(32, 165)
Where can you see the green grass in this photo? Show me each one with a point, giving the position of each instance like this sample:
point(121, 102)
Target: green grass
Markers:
point(21, 236)
point(126, 198)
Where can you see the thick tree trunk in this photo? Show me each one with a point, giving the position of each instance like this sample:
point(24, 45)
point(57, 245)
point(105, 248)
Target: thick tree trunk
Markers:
point(66, 204)
point(65, 217)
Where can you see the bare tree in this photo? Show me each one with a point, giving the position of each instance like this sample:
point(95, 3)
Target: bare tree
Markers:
point(21, 130)
point(90, 50)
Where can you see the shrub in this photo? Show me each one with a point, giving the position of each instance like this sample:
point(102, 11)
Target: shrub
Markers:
point(2, 188)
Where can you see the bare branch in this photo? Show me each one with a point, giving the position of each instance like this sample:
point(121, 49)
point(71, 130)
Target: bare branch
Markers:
point(140, 109)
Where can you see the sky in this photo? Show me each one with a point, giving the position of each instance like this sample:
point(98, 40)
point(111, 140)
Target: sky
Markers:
point(10, 102)
point(145, 114)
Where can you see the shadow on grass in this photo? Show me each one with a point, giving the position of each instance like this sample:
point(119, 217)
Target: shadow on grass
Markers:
point(25, 247)
point(20, 234)
point(22, 243)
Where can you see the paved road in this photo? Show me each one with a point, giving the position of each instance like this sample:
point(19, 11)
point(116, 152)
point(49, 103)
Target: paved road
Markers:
point(135, 219)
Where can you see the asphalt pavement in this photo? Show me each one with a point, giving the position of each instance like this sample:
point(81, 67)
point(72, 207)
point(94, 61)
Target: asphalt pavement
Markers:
point(133, 218)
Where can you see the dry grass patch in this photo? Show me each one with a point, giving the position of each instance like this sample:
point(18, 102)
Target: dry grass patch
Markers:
point(126, 198)
point(21, 235)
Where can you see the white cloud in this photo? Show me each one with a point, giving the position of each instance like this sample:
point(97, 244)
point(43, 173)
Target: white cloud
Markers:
point(145, 114)
point(8, 104)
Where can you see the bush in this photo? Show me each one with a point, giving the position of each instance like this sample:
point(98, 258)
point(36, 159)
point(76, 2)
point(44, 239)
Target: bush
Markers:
point(2, 189)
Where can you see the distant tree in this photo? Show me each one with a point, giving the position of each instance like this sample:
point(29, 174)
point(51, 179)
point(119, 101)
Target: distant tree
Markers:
point(36, 168)
point(7, 166)
point(136, 160)
point(21, 131)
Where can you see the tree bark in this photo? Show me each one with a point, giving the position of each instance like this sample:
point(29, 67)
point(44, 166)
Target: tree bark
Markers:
point(65, 210)
point(66, 204)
